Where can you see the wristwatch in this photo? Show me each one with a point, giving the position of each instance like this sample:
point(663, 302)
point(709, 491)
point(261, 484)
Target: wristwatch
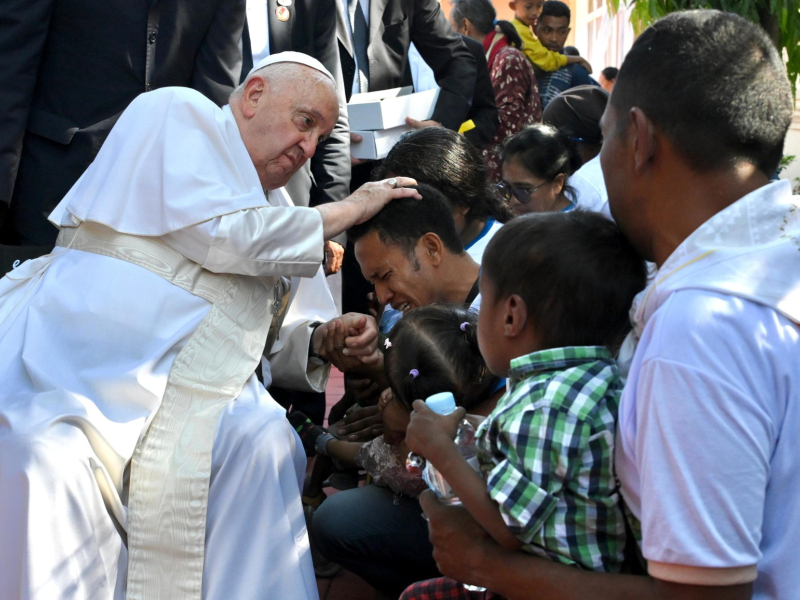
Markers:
point(313, 357)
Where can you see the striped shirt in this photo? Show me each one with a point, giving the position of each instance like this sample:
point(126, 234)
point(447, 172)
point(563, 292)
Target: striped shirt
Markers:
point(547, 453)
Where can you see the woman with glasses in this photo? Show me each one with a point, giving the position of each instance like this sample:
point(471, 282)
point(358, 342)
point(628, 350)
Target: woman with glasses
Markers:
point(537, 163)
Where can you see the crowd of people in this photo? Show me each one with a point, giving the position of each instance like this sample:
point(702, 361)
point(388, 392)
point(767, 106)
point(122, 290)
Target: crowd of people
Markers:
point(604, 275)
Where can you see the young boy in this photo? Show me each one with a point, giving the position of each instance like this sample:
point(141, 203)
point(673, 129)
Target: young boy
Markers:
point(526, 13)
point(556, 292)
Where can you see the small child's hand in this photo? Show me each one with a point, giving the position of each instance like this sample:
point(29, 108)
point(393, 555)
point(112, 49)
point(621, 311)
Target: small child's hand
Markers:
point(429, 434)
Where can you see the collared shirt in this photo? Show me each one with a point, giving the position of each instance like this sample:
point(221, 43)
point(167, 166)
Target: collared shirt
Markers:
point(547, 453)
point(258, 26)
point(365, 9)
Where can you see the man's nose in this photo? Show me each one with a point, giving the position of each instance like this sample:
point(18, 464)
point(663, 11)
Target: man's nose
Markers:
point(383, 293)
point(309, 146)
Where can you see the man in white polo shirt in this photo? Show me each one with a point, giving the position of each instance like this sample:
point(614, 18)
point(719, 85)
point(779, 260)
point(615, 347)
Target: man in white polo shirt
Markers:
point(709, 421)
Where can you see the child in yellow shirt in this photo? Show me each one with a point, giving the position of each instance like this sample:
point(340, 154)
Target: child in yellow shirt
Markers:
point(526, 12)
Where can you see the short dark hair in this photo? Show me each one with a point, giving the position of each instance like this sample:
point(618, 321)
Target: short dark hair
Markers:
point(403, 222)
point(446, 357)
point(450, 163)
point(715, 84)
point(555, 8)
point(544, 151)
point(576, 272)
point(610, 73)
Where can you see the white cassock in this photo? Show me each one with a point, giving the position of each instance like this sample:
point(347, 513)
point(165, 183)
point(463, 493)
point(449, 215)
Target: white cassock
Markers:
point(128, 355)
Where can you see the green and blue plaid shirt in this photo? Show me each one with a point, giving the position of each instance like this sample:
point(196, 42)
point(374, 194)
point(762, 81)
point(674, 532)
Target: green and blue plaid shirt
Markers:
point(547, 453)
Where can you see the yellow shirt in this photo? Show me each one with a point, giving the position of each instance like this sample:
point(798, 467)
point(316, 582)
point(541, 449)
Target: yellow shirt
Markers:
point(545, 59)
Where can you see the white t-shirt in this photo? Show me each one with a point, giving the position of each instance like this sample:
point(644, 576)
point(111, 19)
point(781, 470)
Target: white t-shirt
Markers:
point(708, 449)
point(590, 187)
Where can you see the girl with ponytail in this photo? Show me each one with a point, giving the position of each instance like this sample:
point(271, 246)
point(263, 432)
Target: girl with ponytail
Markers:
point(513, 78)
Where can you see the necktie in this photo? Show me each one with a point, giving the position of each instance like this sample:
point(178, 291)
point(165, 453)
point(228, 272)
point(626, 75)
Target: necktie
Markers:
point(358, 25)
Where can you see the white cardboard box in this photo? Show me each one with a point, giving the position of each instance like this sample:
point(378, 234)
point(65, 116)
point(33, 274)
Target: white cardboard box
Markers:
point(386, 109)
point(376, 144)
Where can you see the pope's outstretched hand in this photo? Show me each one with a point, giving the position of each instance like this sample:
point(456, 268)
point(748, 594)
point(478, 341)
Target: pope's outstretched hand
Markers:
point(363, 204)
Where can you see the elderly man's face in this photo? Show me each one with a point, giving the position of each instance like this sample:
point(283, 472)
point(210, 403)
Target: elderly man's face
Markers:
point(406, 282)
point(284, 122)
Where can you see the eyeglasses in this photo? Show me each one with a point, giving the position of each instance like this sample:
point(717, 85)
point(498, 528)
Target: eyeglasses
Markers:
point(522, 194)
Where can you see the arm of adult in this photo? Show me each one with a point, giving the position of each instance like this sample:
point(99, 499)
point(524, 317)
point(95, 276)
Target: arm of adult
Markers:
point(329, 164)
point(448, 57)
point(280, 240)
point(218, 62)
point(484, 112)
point(465, 551)
point(22, 39)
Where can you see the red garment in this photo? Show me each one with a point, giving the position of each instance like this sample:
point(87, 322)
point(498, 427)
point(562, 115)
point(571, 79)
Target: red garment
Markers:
point(444, 588)
point(492, 50)
point(517, 98)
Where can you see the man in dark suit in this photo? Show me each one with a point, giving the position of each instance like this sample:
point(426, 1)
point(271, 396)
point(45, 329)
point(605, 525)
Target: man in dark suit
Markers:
point(69, 68)
point(374, 37)
point(307, 26)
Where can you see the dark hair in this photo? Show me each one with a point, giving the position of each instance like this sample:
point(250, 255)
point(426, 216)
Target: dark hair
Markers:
point(446, 358)
point(450, 163)
point(545, 152)
point(555, 8)
point(403, 222)
point(610, 73)
point(575, 271)
point(714, 83)
point(571, 50)
point(483, 17)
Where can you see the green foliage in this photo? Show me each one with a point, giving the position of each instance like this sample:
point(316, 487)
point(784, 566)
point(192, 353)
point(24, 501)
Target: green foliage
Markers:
point(786, 160)
point(780, 18)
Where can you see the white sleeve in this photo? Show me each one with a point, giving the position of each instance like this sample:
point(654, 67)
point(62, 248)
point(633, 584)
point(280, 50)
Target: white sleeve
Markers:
point(265, 241)
point(704, 442)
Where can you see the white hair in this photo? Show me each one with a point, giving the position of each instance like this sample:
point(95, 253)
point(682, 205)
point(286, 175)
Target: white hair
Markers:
point(279, 73)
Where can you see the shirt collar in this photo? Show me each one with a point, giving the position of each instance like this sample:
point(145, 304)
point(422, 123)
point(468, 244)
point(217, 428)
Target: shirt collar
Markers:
point(556, 359)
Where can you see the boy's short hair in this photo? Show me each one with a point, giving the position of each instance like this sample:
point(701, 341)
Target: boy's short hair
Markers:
point(403, 222)
point(555, 8)
point(715, 84)
point(575, 271)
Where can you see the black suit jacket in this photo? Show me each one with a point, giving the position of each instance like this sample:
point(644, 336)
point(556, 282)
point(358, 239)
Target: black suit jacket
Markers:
point(484, 111)
point(393, 25)
point(69, 68)
point(311, 29)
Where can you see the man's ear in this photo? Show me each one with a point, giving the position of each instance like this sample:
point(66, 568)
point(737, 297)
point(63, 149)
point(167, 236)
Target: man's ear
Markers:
point(516, 316)
point(253, 91)
point(559, 182)
point(513, 5)
point(432, 248)
point(643, 140)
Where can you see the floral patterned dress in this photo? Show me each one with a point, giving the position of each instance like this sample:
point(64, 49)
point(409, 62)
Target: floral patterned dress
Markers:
point(517, 99)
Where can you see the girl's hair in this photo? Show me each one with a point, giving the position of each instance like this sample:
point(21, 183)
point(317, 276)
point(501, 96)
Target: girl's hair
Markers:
point(483, 17)
point(435, 349)
point(545, 152)
point(450, 163)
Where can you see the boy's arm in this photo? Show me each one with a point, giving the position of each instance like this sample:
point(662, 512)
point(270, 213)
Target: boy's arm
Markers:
point(470, 488)
point(545, 59)
point(344, 452)
point(463, 551)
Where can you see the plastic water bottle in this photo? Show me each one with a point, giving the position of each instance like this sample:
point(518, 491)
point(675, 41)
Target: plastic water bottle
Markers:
point(444, 404)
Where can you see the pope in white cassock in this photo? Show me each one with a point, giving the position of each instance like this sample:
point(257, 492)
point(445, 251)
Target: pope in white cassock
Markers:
point(139, 455)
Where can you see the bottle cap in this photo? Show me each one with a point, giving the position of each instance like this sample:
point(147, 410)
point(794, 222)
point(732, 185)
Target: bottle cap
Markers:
point(442, 403)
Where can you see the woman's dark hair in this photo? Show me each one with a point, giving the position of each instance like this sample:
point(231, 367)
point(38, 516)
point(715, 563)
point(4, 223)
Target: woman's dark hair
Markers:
point(450, 163)
point(545, 152)
point(576, 273)
point(483, 17)
point(442, 352)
